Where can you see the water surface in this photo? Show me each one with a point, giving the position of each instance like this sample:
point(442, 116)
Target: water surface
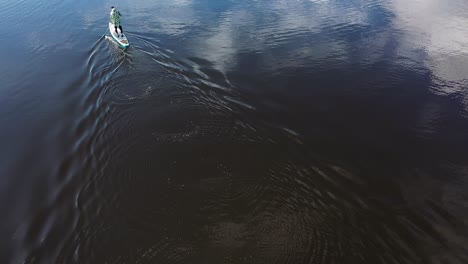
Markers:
point(234, 132)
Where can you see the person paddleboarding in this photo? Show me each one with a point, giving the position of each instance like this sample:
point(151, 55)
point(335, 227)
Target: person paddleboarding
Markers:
point(115, 20)
point(114, 25)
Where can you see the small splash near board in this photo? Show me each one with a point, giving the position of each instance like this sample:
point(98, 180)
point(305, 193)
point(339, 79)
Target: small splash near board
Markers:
point(119, 38)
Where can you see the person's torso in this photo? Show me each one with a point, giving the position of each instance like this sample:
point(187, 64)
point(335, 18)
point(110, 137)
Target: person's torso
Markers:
point(115, 16)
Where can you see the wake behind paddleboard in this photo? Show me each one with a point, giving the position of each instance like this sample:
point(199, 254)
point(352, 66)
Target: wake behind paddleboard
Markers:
point(120, 38)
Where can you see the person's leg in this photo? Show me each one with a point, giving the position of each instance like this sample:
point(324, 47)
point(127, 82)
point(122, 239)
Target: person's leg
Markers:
point(121, 30)
point(116, 30)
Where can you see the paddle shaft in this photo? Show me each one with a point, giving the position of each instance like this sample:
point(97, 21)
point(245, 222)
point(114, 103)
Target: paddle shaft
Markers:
point(103, 35)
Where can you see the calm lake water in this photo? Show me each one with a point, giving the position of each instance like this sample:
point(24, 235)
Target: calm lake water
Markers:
point(268, 131)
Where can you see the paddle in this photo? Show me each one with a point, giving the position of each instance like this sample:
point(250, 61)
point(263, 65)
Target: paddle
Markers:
point(104, 34)
point(100, 38)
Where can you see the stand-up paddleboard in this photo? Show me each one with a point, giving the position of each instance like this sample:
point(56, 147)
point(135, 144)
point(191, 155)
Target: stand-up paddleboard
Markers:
point(121, 38)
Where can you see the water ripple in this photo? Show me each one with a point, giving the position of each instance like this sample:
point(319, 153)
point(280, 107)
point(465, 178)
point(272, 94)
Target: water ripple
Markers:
point(164, 155)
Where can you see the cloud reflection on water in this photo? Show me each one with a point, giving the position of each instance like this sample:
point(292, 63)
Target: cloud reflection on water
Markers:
point(439, 29)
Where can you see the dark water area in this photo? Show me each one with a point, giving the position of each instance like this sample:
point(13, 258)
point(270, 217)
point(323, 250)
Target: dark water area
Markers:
point(276, 131)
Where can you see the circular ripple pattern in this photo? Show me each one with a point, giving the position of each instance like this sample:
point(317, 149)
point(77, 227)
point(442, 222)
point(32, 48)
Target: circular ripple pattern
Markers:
point(160, 187)
point(237, 132)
